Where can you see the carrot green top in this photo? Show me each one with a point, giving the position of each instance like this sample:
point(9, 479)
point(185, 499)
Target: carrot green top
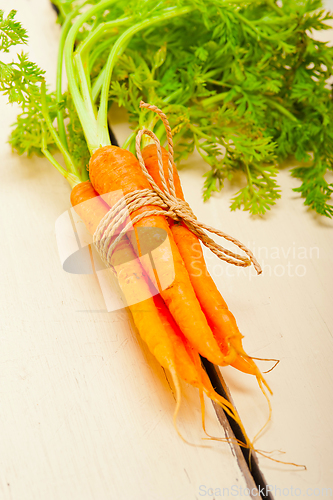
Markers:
point(244, 83)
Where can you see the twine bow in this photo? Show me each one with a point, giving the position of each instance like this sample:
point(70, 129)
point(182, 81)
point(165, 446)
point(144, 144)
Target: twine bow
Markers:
point(167, 204)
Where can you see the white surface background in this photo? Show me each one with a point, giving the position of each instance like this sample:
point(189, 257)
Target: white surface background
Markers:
point(86, 413)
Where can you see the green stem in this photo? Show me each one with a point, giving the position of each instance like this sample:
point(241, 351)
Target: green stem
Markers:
point(163, 138)
point(93, 37)
point(129, 139)
point(281, 108)
point(117, 49)
point(102, 29)
point(173, 95)
point(197, 145)
point(84, 78)
point(248, 173)
point(71, 178)
point(197, 131)
point(68, 160)
point(159, 131)
point(54, 162)
point(161, 128)
point(132, 147)
point(216, 82)
point(98, 83)
point(213, 72)
point(277, 9)
point(60, 115)
point(82, 64)
point(86, 114)
point(97, 51)
point(210, 101)
point(179, 135)
point(250, 24)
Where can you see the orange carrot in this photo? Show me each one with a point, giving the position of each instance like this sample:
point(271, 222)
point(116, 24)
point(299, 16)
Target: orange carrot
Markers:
point(112, 169)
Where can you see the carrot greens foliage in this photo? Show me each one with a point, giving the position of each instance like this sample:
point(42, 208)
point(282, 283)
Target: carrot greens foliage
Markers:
point(243, 83)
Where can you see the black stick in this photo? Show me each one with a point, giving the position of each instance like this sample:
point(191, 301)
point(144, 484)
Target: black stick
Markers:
point(220, 387)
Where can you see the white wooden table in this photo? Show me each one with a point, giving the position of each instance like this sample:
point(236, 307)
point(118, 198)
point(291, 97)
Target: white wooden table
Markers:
point(86, 412)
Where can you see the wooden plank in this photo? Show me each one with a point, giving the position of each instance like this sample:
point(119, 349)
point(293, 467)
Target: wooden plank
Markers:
point(64, 434)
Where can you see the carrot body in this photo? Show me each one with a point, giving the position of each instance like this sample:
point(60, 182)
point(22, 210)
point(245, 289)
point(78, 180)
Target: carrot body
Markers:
point(185, 366)
point(112, 169)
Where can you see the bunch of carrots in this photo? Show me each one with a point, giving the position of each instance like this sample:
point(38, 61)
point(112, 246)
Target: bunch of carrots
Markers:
point(190, 317)
point(187, 319)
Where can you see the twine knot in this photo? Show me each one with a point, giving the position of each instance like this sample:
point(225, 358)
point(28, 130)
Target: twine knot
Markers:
point(179, 209)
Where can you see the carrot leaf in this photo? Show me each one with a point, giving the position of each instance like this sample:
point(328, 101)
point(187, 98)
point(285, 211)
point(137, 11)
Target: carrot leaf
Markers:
point(11, 31)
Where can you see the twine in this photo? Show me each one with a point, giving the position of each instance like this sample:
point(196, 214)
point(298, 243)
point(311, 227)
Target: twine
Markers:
point(166, 203)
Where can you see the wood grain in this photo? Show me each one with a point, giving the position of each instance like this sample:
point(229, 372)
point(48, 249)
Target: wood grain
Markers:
point(86, 411)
